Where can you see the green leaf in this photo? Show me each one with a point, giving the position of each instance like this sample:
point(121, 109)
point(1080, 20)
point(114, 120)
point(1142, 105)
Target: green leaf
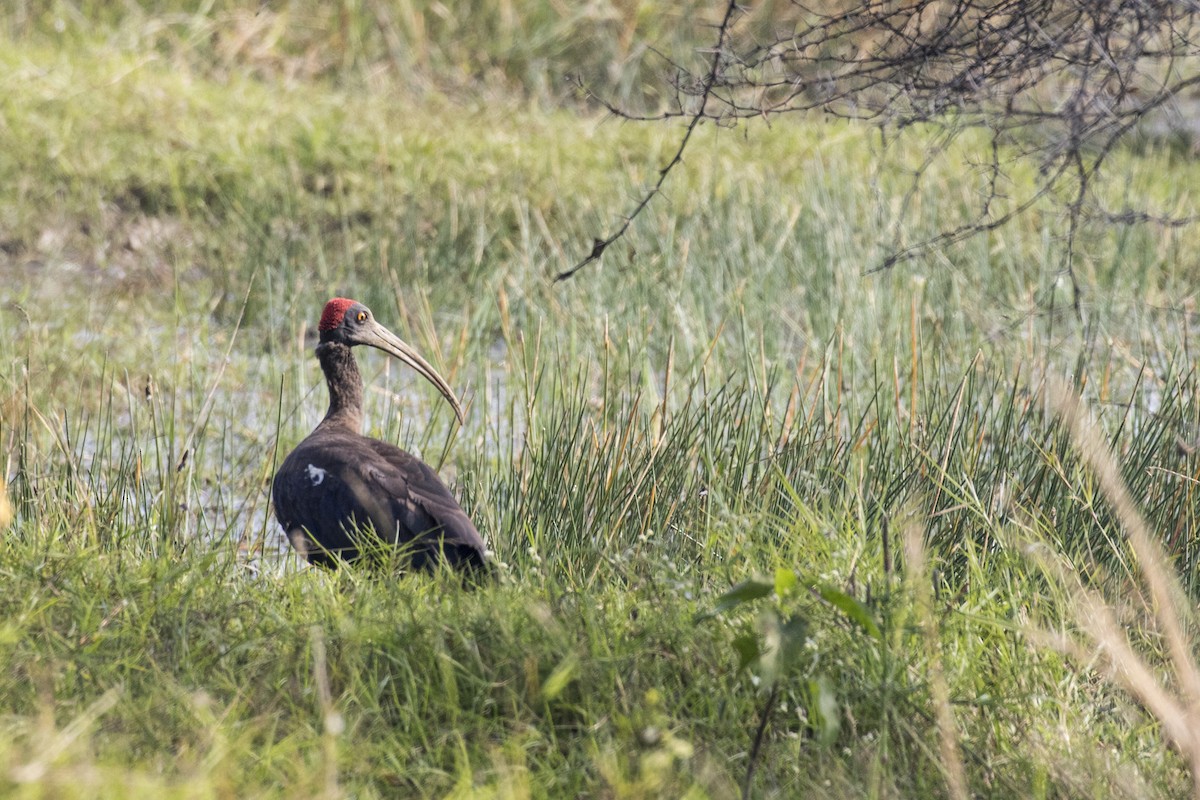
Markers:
point(563, 674)
point(771, 665)
point(785, 581)
point(823, 709)
point(792, 636)
point(744, 592)
point(854, 610)
point(747, 649)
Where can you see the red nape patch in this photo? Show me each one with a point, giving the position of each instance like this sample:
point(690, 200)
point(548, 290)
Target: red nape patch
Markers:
point(335, 309)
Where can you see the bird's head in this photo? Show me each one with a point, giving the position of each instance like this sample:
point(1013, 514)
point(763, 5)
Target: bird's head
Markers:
point(349, 322)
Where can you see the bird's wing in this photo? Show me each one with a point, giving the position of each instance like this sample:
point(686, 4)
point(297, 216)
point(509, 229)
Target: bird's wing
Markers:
point(420, 502)
point(317, 506)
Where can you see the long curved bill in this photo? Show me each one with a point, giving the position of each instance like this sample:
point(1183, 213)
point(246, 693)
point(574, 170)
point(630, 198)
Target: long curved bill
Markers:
point(381, 338)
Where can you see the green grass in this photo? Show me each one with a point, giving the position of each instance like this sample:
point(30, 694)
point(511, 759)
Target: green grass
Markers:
point(727, 398)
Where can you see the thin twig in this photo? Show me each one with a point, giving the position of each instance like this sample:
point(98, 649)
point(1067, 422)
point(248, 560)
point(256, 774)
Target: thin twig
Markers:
point(764, 717)
point(917, 566)
point(600, 245)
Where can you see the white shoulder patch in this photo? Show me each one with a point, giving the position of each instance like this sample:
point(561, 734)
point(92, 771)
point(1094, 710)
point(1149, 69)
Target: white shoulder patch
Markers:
point(316, 474)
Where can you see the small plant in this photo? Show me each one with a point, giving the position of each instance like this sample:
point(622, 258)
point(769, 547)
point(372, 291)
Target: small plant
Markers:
point(773, 648)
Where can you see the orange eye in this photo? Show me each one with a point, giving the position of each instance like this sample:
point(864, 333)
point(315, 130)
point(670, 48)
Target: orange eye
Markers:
point(362, 316)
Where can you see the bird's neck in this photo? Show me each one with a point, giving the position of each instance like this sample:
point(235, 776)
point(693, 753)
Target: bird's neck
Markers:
point(345, 387)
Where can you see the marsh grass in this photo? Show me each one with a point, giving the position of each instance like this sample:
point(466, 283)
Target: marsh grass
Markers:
point(615, 529)
point(728, 397)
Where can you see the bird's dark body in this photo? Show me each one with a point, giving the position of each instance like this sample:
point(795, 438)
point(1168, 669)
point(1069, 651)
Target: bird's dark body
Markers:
point(340, 494)
point(337, 487)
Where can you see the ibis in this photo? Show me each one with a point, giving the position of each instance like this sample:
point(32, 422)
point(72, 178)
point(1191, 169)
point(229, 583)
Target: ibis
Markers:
point(341, 495)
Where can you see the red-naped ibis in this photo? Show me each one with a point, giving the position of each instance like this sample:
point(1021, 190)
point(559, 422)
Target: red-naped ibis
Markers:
point(339, 486)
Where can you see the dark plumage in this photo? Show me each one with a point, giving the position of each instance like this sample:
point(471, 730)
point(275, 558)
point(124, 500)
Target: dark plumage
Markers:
point(340, 493)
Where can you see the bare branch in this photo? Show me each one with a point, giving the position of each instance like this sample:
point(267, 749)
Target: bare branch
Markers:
point(1060, 83)
point(600, 245)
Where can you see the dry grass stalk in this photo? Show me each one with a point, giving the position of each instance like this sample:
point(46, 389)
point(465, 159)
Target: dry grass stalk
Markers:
point(951, 755)
point(1178, 714)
